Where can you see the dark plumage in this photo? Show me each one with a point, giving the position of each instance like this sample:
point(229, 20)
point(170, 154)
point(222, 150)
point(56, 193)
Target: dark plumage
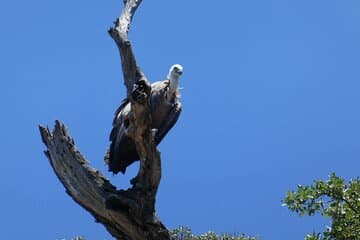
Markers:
point(165, 110)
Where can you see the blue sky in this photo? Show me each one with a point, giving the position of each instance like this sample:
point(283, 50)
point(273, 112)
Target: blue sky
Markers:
point(270, 99)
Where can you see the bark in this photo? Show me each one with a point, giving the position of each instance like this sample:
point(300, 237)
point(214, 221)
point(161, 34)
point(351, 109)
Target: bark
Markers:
point(126, 214)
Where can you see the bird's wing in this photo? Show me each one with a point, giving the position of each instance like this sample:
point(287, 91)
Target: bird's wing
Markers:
point(122, 151)
point(169, 122)
point(123, 103)
point(158, 91)
point(118, 122)
point(171, 115)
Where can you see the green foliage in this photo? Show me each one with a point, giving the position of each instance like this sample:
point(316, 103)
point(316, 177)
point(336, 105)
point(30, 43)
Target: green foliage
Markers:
point(334, 199)
point(184, 233)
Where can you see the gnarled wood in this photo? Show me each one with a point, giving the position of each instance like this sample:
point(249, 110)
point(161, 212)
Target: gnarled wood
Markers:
point(126, 214)
point(121, 212)
point(119, 33)
point(87, 186)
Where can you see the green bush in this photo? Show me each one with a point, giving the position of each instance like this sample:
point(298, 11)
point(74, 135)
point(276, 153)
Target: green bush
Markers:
point(184, 233)
point(333, 199)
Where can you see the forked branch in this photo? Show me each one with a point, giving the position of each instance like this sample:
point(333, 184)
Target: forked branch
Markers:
point(126, 214)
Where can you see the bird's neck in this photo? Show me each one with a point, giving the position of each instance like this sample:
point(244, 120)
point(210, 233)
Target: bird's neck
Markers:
point(173, 85)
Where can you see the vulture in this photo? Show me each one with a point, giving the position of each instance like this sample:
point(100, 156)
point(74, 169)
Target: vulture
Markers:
point(165, 111)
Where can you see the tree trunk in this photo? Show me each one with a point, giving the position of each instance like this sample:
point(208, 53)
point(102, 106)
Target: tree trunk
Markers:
point(126, 214)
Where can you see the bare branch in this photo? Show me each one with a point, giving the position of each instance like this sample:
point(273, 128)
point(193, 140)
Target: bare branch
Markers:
point(129, 214)
point(140, 125)
point(119, 211)
point(119, 33)
point(127, 15)
point(85, 185)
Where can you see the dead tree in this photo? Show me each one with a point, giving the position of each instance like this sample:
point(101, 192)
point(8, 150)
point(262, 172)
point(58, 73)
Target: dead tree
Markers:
point(126, 214)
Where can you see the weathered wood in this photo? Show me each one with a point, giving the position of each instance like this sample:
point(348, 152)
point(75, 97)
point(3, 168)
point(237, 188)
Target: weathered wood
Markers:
point(119, 34)
point(126, 214)
point(85, 185)
point(121, 212)
point(140, 130)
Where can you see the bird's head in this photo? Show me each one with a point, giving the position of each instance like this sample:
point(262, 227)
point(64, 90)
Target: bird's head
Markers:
point(175, 71)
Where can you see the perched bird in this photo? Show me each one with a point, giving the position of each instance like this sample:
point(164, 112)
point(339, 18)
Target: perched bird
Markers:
point(165, 111)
